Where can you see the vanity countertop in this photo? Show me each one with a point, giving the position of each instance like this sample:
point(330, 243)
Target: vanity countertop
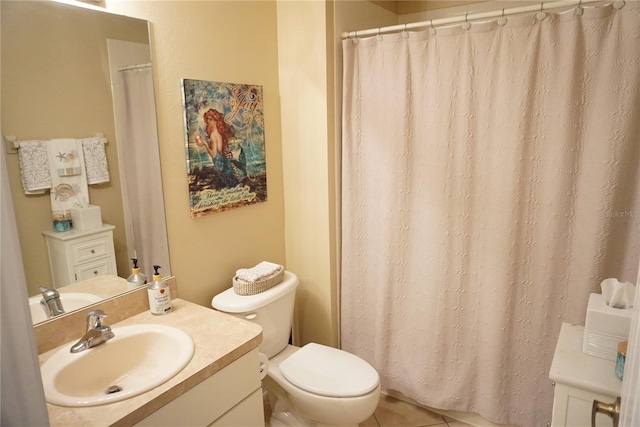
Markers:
point(105, 286)
point(571, 366)
point(219, 340)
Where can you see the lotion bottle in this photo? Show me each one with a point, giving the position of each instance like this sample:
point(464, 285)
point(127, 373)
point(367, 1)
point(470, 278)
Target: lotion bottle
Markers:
point(137, 278)
point(159, 294)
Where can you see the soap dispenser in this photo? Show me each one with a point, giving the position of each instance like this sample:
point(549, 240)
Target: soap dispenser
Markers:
point(159, 294)
point(137, 278)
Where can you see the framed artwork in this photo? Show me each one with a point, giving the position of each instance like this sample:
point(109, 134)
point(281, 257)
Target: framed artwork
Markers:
point(224, 126)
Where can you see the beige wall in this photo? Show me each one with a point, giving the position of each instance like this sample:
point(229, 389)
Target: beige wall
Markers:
point(310, 72)
point(292, 49)
point(297, 41)
point(238, 42)
point(406, 7)
point(302, 37)
point(43, 98)
point(227, 41)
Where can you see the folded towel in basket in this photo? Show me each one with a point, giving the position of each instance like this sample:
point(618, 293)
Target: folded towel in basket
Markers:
point(260, 271)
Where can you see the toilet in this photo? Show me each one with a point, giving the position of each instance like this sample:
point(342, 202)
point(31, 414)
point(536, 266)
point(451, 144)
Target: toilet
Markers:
point(313, 385)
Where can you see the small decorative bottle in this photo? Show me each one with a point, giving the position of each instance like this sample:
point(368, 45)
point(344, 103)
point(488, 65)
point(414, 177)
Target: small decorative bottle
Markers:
point(159, 294)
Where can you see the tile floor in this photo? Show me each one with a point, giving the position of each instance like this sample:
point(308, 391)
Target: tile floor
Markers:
point(394, 412)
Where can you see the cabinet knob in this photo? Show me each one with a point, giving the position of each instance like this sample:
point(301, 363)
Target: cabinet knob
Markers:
point(95, 272)
point(93, 251)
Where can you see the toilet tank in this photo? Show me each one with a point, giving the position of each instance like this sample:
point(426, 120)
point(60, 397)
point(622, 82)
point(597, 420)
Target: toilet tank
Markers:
point(271, 309)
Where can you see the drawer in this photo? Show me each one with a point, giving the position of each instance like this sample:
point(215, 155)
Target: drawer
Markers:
point(90, 249)
point(93, 269)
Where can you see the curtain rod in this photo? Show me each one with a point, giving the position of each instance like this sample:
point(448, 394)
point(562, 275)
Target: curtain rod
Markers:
point(135, 67)
point(618, 4)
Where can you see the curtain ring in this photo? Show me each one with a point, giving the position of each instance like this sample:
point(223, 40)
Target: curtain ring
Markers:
point(379, 36)
point(354, 40)
point(579, 10)
point(618, 4)
point(502, 20)
point(542, 14)
point(466, 24)
point(432, 30)
point(405, 34)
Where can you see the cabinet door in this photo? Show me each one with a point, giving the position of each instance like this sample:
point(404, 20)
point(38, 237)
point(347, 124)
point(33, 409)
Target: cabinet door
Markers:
point(572, 407)
point(214, 397)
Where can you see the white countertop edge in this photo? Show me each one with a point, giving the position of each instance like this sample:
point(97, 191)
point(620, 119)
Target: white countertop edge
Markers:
point(572, 367)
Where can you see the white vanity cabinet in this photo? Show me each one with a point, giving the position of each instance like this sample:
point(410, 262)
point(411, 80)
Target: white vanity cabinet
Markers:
point(231, 397)
point(77, 255)
point(579, 380)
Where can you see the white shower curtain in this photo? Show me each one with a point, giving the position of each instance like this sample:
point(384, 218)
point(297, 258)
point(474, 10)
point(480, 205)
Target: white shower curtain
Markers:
point(490, 183)
point(142, 174)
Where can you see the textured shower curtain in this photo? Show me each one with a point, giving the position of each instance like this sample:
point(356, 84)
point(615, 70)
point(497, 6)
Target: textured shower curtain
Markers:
point(490, 183)
point(142, 174)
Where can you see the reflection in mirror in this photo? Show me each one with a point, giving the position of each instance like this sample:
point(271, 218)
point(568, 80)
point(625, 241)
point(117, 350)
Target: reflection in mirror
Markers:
point(77, 295)
point(72, 72)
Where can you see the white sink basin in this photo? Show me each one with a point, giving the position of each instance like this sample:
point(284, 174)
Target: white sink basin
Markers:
point(70, 301)
point(139, 358)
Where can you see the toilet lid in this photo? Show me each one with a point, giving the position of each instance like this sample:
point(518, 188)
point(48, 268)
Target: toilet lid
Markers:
point(327, 371)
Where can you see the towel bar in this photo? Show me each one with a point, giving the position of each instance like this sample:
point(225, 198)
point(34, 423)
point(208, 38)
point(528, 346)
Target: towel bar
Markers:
point(11, 142)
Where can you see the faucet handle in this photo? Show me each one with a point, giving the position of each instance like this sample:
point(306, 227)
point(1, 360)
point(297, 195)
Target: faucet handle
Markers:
point(50, 302)
point(48, 294)
point(95, 318)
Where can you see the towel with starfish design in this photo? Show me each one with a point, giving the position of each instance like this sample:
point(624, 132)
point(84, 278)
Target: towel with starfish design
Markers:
point(67, 190)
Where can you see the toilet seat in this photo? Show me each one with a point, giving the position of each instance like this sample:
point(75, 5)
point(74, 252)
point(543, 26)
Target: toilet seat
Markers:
point(330, 372)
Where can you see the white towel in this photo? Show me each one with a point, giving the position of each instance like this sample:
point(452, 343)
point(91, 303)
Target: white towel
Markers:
point(66, 191)
point(95, 160)
point(33, 157)
point(260, 271)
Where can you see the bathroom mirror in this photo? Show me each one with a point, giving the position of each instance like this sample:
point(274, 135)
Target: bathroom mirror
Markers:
point(63, 69)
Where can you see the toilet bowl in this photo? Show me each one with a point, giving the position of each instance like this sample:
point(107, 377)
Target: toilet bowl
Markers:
point(339, 399)
point(313, 385)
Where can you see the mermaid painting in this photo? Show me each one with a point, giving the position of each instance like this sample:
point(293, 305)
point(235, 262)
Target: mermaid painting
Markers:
point(225, 145)
point(219, 133)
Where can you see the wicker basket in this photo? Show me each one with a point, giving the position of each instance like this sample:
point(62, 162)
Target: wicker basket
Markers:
point(252, 288)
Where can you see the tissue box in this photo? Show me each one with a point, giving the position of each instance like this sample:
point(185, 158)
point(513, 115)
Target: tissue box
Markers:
point(86, 218)
point(604, 328)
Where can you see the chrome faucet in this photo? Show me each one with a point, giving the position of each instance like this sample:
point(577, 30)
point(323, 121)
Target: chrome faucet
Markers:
point(96, 334)
point(50, 302)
